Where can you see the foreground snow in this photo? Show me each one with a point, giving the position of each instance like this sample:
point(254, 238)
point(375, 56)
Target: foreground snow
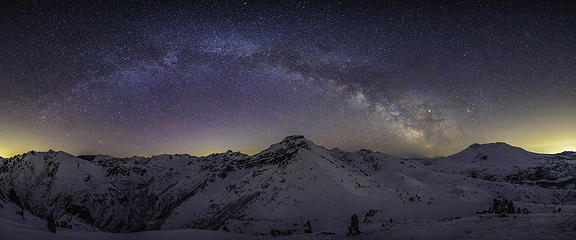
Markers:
point(15, 233)
point(557, 226)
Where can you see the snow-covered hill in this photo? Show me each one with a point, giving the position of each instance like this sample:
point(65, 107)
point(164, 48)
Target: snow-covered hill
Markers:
point(505, 163)
point(293, 187)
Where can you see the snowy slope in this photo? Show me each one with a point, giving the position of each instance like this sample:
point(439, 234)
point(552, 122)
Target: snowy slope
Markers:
point(505, 163)
point(497, 158)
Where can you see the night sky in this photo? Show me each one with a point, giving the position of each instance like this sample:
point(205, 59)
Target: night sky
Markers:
point(410, 80)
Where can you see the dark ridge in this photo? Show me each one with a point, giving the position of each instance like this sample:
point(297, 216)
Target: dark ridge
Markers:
point(365, 150)
point(478, 145)
point(293, 137)
point(474, 146)
point(279, 153)
point(87, 157)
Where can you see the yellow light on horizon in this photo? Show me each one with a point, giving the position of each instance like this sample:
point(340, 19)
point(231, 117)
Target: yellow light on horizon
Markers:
point(6, 153)
point(552, 143)
point(544, 134)
point(553, 147)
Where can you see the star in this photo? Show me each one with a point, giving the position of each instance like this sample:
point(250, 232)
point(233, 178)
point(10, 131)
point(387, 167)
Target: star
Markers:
point(149, 78)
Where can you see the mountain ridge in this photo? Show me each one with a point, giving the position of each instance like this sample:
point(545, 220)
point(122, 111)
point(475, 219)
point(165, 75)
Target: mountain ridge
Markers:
point(281, 187)
point(294, 140)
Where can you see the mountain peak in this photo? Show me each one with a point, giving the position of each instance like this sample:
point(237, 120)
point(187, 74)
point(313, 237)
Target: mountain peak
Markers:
point(295, 141)
point(281, 153)
point(490, 145)
point(496, 146)
point(499, 150)
point(294, 137)
point(291, 144)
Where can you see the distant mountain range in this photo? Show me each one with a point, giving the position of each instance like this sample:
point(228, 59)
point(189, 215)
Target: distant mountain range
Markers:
point(294, 186)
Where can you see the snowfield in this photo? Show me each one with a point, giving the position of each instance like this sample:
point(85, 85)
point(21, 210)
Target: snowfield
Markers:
point(294, 188)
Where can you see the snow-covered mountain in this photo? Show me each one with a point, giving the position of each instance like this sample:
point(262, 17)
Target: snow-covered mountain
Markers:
point(290, 187)
point(504, 163)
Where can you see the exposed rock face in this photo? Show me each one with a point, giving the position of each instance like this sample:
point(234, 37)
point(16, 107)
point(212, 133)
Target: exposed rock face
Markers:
point(50, 224)
point(279, 154)
point(353, 229)
point(502, 206)
point(308, 227)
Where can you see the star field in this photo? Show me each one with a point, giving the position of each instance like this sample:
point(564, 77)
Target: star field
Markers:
point(406, 79)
